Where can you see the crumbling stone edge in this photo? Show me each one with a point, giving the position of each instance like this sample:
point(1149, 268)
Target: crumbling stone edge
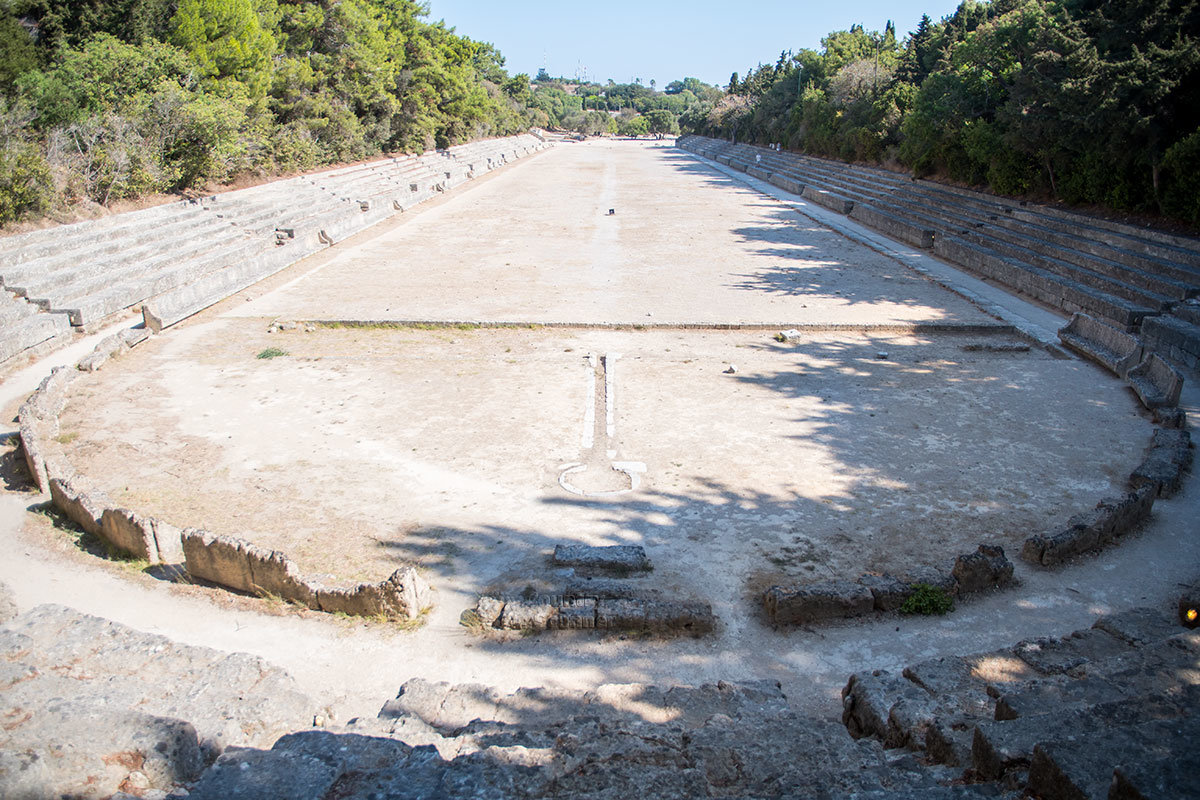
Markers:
point(1159, 475)
point(223, 561)
point(987, 569)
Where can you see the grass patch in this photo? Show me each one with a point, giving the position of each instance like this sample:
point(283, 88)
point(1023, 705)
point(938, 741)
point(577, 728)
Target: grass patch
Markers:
point(272, 352)
point(928, 601)
point(67, 438)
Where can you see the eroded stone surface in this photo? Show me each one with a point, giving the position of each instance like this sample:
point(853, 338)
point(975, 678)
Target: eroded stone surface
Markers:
point(88, 702)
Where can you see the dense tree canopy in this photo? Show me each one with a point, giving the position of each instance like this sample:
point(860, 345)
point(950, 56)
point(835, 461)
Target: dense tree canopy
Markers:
point(104, 99)
point(1084, 101)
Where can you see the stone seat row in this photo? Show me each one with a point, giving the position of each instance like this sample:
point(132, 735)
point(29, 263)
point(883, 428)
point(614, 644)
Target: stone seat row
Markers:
point(1105, 712)
point(183, 256)
point(1110, 270)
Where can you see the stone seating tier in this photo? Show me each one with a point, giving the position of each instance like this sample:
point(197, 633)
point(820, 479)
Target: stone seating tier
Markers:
point(1073, 262)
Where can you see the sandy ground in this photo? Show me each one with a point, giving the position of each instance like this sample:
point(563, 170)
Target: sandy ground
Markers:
point(364, 447)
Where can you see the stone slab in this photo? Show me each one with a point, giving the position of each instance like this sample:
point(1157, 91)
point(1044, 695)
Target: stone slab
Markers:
point(817, 602)
point(614, 558)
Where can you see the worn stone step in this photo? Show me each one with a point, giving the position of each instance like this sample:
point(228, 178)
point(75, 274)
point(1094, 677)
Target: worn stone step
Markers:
point(1173, 777)
point(30, 330)
point(90, 234)
point(1001, 746)
point(1175, 339)
point(1058, 655)
point(1082, 766)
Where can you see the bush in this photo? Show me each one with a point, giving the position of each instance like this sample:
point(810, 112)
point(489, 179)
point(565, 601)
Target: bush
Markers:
point(928, 601)
point(1181, 179)
point(25, 186)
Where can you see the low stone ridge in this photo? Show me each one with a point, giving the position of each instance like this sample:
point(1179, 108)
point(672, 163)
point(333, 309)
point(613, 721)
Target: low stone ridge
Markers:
point(986, 569)
point(224, 561)
point(438, 739)
point(1169, 456)
point(615, 558)
point(1111, 348)
point(1051, 716)
point(246, 567)
point(1091, 530)
point(92, 707)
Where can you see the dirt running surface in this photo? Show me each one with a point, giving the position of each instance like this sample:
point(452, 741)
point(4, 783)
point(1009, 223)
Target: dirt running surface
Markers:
point(900, 427)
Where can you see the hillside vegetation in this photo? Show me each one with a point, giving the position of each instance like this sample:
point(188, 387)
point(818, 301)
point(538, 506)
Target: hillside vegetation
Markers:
point(1084, 101)
point(110, 99)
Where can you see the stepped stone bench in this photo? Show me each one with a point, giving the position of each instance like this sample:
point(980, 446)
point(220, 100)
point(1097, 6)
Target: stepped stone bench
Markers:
point(893, 226)
point(1176, 337)
point(1113, 349)
point(830, 200)
point(1047, 711)
point(1156, 383)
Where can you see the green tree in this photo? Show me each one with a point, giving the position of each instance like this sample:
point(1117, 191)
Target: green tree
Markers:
point(227, 39)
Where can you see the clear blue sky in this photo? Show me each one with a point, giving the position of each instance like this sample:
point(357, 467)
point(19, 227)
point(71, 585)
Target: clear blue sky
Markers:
point(622, 40)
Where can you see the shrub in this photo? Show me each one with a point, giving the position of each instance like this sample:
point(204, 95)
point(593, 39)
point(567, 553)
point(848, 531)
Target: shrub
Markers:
point(25, 185)
point(928, 601)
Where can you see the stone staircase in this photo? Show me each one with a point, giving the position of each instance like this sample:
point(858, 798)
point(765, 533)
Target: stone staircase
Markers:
point(1136, 279)
point(1058, 718)
point(442, 740)
point(91, 707)
point(184, 256)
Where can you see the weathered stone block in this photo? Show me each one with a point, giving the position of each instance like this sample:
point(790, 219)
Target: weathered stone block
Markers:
point(577, 614)
point(245, 773)
point(217, 559)
point(273, 573)
point(404, 595)
point(1053, 656)
point(527, 614)
point(1112, 348)
point(84, 508)
point(935, 577)
point(1095, 528)
point(817, 602)
point(888, 592)
point(488, 609)
point(617, 558)
point(129, 532)
point(1137, 626)
point(1169, 457)
point(1156, 383)
point(985, 569)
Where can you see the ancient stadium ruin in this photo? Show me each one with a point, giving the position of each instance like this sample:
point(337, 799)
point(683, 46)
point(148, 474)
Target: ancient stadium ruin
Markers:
point(537, 469)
